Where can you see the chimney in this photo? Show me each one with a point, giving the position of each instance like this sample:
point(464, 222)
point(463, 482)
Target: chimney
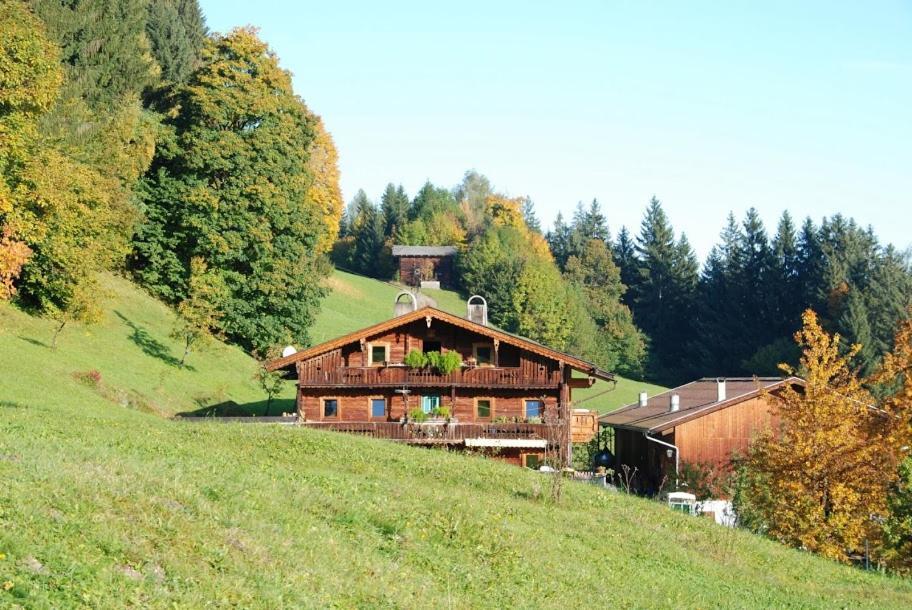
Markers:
point(477, 309)
point(644, 398)
point(720, 389)
point(674, 404)
point(401, 307)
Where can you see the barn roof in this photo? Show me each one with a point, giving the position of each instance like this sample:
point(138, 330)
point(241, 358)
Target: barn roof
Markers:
point(424, 250)
point(431, 313)
point(697, 398)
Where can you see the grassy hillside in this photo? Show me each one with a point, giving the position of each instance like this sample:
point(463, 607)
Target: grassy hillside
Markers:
point(105, 504)
point(106, 507)
point(132, 351)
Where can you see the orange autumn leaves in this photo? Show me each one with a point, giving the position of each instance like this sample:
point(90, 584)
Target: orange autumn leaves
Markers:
point(822, 482)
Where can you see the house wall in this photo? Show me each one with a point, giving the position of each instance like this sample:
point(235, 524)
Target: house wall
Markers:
point(713, 438)
point(413, 336)
point(354, 403)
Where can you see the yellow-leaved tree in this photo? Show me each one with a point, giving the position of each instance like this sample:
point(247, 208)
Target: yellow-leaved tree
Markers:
point(324, 191)
point(820, 482)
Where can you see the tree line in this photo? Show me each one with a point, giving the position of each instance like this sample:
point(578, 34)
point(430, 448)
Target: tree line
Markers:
point(504, 256)
point(134, 140)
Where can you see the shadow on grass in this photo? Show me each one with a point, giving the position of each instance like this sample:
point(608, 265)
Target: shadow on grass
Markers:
point(33, 341)
point(229, 408)
point(149, 344)
point(9, 404)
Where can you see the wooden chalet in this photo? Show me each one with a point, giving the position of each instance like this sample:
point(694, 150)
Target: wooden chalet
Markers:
point(425, 265)
point(703, 422)
point(511, 396)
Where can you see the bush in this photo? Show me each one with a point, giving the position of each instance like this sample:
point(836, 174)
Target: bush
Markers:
point(442, 412)
point(417, 415)
point(416, 359)
point(446, 362)
point(90, 378)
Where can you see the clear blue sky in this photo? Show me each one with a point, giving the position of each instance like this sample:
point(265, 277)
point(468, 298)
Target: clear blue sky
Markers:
point(712, 106)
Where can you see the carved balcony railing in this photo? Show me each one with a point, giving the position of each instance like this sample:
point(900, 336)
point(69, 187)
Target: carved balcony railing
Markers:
point(442, 433)
point(378, 376)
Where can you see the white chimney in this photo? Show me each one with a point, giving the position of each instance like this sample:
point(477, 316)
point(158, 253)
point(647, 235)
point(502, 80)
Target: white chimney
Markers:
point(674, 404)
point(720, 389)
point(644, 398)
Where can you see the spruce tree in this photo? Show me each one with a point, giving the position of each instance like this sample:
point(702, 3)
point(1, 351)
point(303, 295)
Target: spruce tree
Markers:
point(665, 295)
point(625, 257)
point(559, 241)
point(394, 206)
point(176, 30)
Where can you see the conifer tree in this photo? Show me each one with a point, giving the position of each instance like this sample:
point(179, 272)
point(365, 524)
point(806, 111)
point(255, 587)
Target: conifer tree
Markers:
point(664, 296)
point(394, 205)
point(176, 30)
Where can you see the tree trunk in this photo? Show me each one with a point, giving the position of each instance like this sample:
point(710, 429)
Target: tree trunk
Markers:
point(57, 334)
point(186, 353)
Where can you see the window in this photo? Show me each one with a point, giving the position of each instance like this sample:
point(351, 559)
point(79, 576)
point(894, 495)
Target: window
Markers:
point(535, 408)
point(429, 403)
point(378, 407)
point(330, 407)
point(484, 353)
point(378, 353)
point(431, 346)
point(483, 408)
point(531, 460)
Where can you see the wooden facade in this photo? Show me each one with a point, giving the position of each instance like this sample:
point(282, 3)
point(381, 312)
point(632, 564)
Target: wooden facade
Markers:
point(511, 397)
point(417, 264)
point(710, 426)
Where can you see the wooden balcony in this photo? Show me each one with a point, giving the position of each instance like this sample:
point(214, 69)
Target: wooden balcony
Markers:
point(401, 376)
point(434, 433)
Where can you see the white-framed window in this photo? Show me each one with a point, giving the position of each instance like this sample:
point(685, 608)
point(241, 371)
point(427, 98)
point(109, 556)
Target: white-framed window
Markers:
point(377, 406)
point(533, 408)
point(329, 408)
point(377, 353)
point(429, 403)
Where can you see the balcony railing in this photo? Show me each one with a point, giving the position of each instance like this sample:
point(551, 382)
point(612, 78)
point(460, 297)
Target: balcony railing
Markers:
point(442, 433)
point(403, 376)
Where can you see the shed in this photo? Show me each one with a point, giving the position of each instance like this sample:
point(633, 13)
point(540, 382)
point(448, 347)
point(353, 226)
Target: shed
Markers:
point(427, 266)
point(704, 422)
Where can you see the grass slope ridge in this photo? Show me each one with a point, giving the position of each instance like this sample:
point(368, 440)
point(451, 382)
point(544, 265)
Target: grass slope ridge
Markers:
point(109, 507)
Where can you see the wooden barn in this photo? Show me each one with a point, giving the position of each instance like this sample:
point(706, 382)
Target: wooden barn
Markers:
point(510, 396)
point(425, 265)
point(703, 422)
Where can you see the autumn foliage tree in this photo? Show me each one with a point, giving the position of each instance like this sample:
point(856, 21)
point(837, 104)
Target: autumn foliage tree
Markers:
point(816, 484)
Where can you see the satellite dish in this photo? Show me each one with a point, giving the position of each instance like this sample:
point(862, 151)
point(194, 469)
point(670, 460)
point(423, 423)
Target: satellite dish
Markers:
point(288, 351)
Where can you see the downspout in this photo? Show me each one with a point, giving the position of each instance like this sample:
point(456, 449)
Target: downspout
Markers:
point(670, 446)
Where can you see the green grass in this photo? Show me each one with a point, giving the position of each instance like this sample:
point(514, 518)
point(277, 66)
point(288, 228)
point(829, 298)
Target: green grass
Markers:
point(106, 504)
point(106, 507)
point(135, 356)
point(626, 391)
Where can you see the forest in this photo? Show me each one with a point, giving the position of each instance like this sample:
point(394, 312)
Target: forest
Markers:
point(642, 304)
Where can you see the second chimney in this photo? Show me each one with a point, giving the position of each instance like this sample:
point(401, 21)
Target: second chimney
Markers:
point(720, 389)
point(674, 404)
point(644, 398)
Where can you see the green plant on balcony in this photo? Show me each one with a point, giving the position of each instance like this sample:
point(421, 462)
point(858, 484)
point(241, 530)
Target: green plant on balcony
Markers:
point(415, 359)
point(417, 415)
point(445, 363)
point(442, 412)
point(534, 420)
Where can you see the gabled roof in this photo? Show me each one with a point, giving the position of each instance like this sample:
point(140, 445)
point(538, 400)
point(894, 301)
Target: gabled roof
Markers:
point(424, 250)
point(697, 398)
point(436, 314)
